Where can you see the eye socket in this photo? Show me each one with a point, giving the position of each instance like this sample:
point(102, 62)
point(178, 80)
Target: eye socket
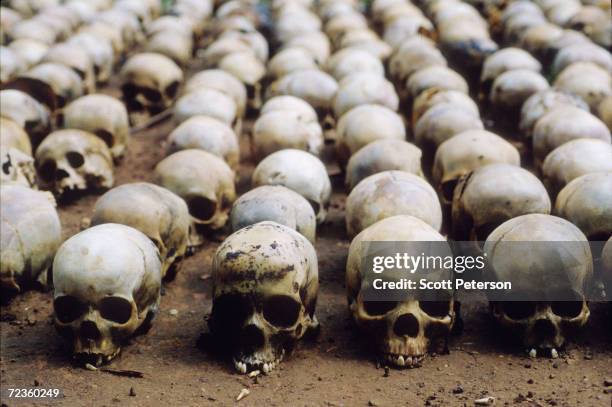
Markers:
point(566, 309)
point(46, 170)
point(231, 309)
point(75, 159)
point(518, 310)
point(377, 308)
point(172, 89)
point(201, 208)
point(105, 135)
point(315, 206)
point(436, 309)
point(448, 189)
point(129, 91)
point(68, 308)
point(115, 309)
point(151, 95)
point(281, 310)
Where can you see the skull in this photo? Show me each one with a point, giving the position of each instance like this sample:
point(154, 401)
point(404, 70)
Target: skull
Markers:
point(110, 32)
point(150, 81)
point(336, 27)
point(27, 112)
point(63, 83)
point(404, 27)
point(594, 22)
point(505, 60)
point(383, 155)
point(290, 60)
point(519, 25)
point(31, 233)
point(295, 22)
point(265, 284)
point(586, 201)
point(30, 51)
point(253, 38)
point(102, 115)
point(16, 155)
point(204, 181)
point(391, 193)
point(107, 282)
point(99, 49)
point(223, 82)
point(206, 102)
point(366, 40)
point(250, 70)
point(438, 77)
point(74, 160)
point(593, 91)
point(364, 88)
point(490, 195)
point(510, 90)
point(315, 42)
point(404, 331)
point(153, 210)
point(222, 47)
point(300, 171)
point(581, 52)
point(128, 24)
point(76, 59)
point(278, 204)
point(11, 64)
point(464, 153)
point(540, 324)
point(8, 19)
point(208, 134)
point(34, 30)
point(290, 103)
point(349, 61)
point(169, 23)
point(173, 44)
point(435, 96)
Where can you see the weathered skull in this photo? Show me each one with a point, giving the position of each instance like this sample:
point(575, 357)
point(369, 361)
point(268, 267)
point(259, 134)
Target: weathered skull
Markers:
point(464, 153)
point(150, 81)
point(315, 42)
point(435, 76)
point(517, 26)
point(364, 88)
point(108, 31)
point(33, 29)
point(173, 44)
point(107, 282)
point(366, 40)
point(27, 112)
point(382, 155)
point(208, 134)
point(102, 115)
point(17, 164)
point(206, 102)
point(404, 27)
point(594, 22)
point(254, 39)
point(153, 210)
point(587, 52)
point(31, 233)
point(300, 171)
point(290, 60)
point(402, 332)
point(168, 23)
point(8, 18)
point(74, 160)
point(265, 284)
point(100, 50)
point(131, 30)
point(391, 193)
point(11, 64)
point(349, 61)
point(435, 96)
point(586, 201)
point(203, 180)
point(76, 59)
point(223, 82)
point(63, 82)
point(30, 51)
point(222, 47)
point(504, 60)
point(510, 90)
point(290, 103)
point(336, 27)
point(593, 91)
point(490, 195)
point(514, 258)
point(295, 23)
point(278, 204)
point(250, 70)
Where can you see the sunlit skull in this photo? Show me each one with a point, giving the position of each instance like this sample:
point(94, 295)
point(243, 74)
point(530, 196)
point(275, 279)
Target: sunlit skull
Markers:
point(250, 70)
point(348, 61)
point(336, 27)
point(278, 204)
point(265, 285)
point(102, 115)
point(510, 90)
point(504, 60)
point(11, 64)
point(366, 40)
point(107, 282)
point(364, 88)
point(594, 22)
point(203, 180)
point(435, 96)
point(109, 31)
point(30, 51)
point(315, 42)
point(435, 76)
point(222, 47)
point(490, 195)
point(100, 51)
point(300, 171)
point(587, 52)
point(74, 160)
point(27, 112)
point(33, 29)
point(295, 22)
point(150, 82)
point(382, 155)
point(402, 28)
point(290, 103)
point(16, 161)
point(77, 59)
point(209, 134)
point(404, 331)
point(519, 251)
point(153, 210)
point(221, 81)
point(173, 44)
point(254, 39)
point(31, 233)
point(289, 60)
point(593, 91)
point(206, 102)
point(131, 29)
point(586, 201)
point(62, 82)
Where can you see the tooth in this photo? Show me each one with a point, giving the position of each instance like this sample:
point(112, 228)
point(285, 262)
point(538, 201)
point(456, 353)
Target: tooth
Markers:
point(266, 368)
point(533, 353)
point(409, 360)
point(400, 360)
point(553, 353)
point(243, 368)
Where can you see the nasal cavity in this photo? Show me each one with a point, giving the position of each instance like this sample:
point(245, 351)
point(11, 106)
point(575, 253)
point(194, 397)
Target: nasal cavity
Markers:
point(252, 338)
point(406, 325)
point(89, 330)
point(544, 329)
point(61, 174)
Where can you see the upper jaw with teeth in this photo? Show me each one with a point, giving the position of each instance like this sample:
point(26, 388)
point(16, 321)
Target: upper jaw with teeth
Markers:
point(250, 363)
point(403, 361)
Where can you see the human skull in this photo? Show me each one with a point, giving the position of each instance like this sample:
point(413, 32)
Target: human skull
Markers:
point(254, 39)
point(31, 233)
point(76, 59)
point(300, 171)
point(107, 282)
point(100, 51)
point(366, 40)
point(222, 47)
point(33, 29)
point(206, 102)
point(204, 181)
point(514, 257)
point(11, 64)
point(290, 60)
point(290, 103)
point(8, 18)
point(315, 42)
point(434, 96)
point(250, 70)
point(265, 285)
point(173, 44)
point(593, 91)
point(150, 81)
point(490, 195)
point(510, 90)
point(102, 115)
point(404, 27)
point(404, 331)
point(435, 76)
point(595, 22)
point(223, 82)
point(336, 27)
point(109, 31)
point(581, 52)
point(504, 60)
point(73, 160)
point(30, 51)
point(131, 29)
point(16, 155)
point(586, 201)
point(415, 53)
point(27, 112)
point(364, 88)
point(155, 211)
point(278, 204)
point(604, 111)
point(62, 82)
point(348, 61)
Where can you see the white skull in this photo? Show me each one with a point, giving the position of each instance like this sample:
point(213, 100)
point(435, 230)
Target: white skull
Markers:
point(365, 40)
point(504, 60)
point(402, 28)
point(435, 96)
point(300, 171)
point(265, 285)
point(414, 53)
point(206, 102)
point(256, 41)
point(364, 88)
point(109, 31)
point(11, 64)
point(27, 112)
point(77, 59)
point(33, 29)
point(131, 30)
point(31, 233)
point(173, 44)
point(435, 76)
point(290, 103)
point(278, 204)
point(17, 164)
point(314, 86)
point(223, 82)
point(62, 82)
point(315, 42)
point(511, 89)
point(74, 160)
point(107, 282)
point(100, 50)
point(30, 51)
point(593, 91)
point(349, 61)
point(583, 52)
point(336, 27)
point(290, 60)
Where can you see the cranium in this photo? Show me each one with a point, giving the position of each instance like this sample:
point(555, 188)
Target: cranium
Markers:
point(604, 111)
point(27, 112)
point(204, 181)
point(278, 204)
point(300, 171)
point(490, 195)
point(366, 40)
point(206, 102)
point(538, 39)
point(254, 39)
point(595, 22)
point(504, 60)
point(391, 193)
point(382, 155)
point(31, 233)
point(290, 103)
point(221, 81)
point(265, 284)
point(74, 160)
point(33, 29)
point(100, 51)
point(8, 18)
point(349, 61)
point(102, 115)
point(364, 88)
point(586, 201)
point(15, 155)
point(146, 11)
point(514, 257)
point(30, 51)
point(434, 96)
point(336, 27)
point(314, 42)
point(435, 76)
point(402, 28)
point(150, 81)
point(170, 23)
point(107, 282)
point(155, 211)
point(290, 60)
point(510, 90)
point(517, 27)
point(11, 64)
point(76, 59)
point(593, 91)
point(222, 47)
point(250, 70)
point(587, 52)
point(404, 331)
point(173, 44)
point(295, 23)
point(111, 32)
point(131, 30)
point(63, 82)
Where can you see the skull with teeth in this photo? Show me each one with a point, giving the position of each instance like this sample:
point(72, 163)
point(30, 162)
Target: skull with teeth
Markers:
point(520, 251)
point(17, 164)
point(74, 160)
point(155, 211)
point(265, 284)
point(107, 282)
point(403, 331)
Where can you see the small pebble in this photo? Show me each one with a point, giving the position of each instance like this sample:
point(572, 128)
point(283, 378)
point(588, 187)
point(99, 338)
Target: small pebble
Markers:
point(485, 401)
point(173, 312)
